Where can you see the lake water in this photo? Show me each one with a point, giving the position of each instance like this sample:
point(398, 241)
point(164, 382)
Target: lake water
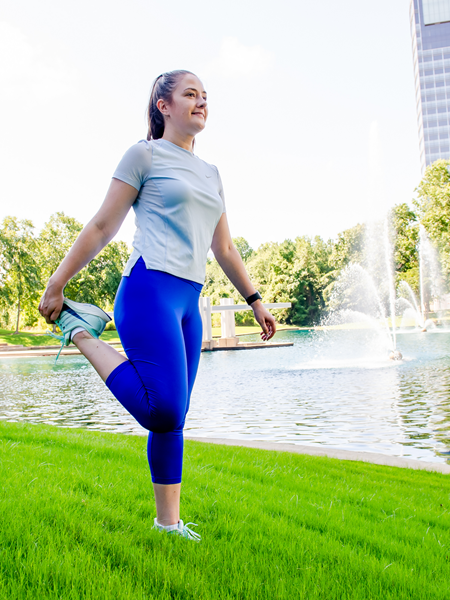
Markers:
point(334, 389)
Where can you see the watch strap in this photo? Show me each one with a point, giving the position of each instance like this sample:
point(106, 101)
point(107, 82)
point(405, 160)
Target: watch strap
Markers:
point(253, 297)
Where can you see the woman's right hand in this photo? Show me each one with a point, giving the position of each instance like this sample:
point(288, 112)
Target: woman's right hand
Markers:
point(51, 302)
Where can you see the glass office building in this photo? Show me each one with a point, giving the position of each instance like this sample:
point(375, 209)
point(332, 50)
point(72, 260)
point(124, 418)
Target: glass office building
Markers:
point(430, 30)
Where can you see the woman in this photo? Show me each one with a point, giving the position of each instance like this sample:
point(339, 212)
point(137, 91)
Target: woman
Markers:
point(180, 213)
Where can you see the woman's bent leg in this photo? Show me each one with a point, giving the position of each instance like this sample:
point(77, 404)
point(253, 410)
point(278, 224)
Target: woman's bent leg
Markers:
point(102, 356)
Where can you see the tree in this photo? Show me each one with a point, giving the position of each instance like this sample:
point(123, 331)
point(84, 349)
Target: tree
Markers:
point(55, 240)
point(19, 272)
point(293, 271)
point(433, 207)
point(349, 247)
point(97, 283)
point(243, 247)
point(406, 258)
point(217, 285)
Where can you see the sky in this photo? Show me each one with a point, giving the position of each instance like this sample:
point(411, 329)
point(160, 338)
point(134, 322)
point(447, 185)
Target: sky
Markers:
point(311, 123)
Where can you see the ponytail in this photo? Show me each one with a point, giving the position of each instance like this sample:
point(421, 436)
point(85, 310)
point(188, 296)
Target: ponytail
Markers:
point(162, 88)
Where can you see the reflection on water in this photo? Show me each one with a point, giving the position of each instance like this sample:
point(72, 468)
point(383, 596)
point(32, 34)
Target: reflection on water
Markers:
point(333, 388)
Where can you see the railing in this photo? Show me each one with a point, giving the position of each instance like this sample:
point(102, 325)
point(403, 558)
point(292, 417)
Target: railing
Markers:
point(227, 308)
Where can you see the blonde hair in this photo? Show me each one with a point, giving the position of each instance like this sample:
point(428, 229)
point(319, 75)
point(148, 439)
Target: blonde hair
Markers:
point(163, 87)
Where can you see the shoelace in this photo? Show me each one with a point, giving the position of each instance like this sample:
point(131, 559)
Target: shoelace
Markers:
point(58, 337)
point(191, 535)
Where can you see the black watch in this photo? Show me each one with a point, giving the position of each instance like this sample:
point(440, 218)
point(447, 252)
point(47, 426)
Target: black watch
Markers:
point(253, 297)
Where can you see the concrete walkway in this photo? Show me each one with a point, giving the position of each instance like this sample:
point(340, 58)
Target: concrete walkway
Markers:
point(370, 457)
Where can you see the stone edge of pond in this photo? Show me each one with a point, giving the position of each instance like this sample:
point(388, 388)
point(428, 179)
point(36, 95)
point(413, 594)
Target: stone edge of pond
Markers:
point(370, 457)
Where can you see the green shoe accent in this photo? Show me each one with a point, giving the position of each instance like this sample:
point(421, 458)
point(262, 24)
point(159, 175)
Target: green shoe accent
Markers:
point(185, 532)
point(59, 338)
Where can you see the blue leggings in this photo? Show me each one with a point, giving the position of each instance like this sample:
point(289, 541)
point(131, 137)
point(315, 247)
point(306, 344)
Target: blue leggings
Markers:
point(159, 324)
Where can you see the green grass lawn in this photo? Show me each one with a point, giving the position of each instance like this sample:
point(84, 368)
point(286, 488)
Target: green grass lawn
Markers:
point(76, 512)
point(40, 339)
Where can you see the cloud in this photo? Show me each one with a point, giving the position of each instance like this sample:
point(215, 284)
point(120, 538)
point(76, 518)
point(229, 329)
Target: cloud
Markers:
point(27, 72)
point(236, 59)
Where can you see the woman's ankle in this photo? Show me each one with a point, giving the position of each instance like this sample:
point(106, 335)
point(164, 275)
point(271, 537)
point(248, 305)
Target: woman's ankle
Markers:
point(170, 527)
point(79, 335)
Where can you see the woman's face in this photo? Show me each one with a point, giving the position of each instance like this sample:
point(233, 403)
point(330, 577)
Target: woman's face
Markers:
point(188, 110)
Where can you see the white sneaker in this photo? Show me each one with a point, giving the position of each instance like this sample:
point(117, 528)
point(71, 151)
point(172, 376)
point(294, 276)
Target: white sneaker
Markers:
point(179, 529)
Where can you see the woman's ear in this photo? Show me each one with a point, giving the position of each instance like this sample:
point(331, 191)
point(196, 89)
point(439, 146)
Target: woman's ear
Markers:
point(163, 108)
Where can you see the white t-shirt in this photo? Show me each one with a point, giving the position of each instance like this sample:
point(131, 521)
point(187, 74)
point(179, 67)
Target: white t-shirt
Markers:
point(179, 204)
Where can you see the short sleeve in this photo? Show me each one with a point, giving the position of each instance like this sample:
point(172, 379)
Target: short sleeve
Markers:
point(220, 189)
point(134, 167)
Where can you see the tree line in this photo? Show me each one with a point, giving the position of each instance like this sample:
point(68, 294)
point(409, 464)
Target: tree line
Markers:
point(302, 271)
point(27, 261)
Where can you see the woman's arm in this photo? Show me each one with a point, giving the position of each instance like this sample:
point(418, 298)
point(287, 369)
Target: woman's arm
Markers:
point(95, 236)
point(231, 262)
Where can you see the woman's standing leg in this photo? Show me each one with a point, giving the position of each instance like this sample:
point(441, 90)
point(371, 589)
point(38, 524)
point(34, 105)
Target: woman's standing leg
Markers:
point(153, 384)
point(192, 334)
point(167, 497)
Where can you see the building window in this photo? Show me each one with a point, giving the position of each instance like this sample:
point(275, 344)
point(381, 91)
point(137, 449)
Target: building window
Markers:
point(435, 11)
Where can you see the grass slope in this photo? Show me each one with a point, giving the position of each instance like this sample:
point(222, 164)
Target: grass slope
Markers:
point(40, 339)
point(36, 339)
point(76, 512)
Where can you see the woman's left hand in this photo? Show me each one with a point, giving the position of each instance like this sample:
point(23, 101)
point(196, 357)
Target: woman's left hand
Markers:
point(265, 319)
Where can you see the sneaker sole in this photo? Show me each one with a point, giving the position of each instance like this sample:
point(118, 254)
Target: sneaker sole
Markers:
point(89, 309)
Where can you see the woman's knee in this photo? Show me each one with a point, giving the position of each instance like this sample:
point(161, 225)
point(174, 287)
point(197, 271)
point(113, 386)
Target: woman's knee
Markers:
point(167, 418)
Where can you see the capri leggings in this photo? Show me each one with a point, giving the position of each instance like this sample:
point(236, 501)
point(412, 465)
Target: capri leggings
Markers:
point(159, 324)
